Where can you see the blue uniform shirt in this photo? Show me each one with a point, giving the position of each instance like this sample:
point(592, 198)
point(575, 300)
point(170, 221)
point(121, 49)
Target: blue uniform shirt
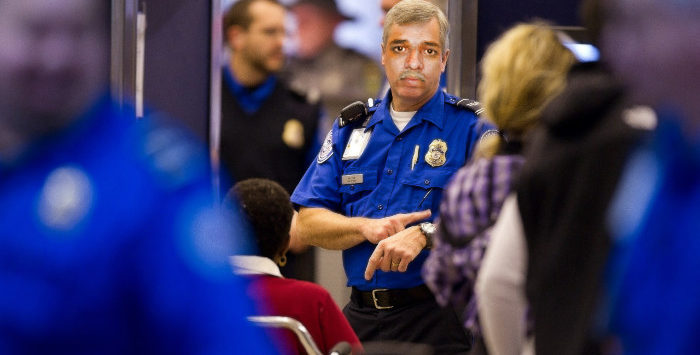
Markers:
point(383, 181)
point(653, 275)
point(110, 244)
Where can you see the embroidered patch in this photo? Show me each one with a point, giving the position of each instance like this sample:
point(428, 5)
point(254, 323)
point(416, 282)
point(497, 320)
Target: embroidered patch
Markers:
point(327, 148)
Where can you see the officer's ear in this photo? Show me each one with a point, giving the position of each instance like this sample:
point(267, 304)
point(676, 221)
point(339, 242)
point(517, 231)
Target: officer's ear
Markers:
point(235, 37)
point(444, 59)
point(383, 51)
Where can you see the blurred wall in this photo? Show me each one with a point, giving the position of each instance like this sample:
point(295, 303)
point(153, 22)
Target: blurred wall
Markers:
point(177, 56)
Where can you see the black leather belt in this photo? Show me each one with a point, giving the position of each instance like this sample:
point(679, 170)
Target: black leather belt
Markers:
point(383, 298)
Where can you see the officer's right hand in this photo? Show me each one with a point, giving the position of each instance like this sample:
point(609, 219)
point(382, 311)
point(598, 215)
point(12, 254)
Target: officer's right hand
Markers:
point(375, 230)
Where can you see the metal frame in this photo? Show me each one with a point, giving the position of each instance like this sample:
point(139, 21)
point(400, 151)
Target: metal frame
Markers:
point(123, 49)
point(217, 40)
point(461, 69)
point(292, 324)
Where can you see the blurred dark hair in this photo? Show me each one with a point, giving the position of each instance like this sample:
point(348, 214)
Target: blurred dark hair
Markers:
point(267, 207)
point(239, 14)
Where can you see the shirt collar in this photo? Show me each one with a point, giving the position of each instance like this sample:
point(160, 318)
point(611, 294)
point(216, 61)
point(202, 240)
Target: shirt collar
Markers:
point(254, 265)
point(250, 99)
point(432, 111)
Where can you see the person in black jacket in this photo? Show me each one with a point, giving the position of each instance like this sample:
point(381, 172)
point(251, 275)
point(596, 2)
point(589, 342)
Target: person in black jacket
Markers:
point(267, 129)
point(574, 164)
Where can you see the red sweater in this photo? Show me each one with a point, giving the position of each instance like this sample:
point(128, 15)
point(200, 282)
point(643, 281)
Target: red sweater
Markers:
point(306, 302)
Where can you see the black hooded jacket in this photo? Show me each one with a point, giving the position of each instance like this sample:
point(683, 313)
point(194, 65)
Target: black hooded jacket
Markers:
point(572, 167)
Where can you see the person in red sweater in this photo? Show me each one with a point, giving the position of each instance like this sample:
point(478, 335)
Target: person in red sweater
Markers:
point(270, 213)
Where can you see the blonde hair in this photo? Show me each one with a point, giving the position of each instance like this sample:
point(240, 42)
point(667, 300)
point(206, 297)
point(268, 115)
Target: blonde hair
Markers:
point(416, 11)
point(521, 72)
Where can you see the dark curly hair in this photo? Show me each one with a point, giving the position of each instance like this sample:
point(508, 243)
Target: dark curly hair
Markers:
point(269, 211)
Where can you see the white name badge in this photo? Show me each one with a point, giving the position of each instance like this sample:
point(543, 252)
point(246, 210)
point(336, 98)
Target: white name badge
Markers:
point(356, 144)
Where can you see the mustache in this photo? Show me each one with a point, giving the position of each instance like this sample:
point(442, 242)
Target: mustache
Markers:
point(412, 74)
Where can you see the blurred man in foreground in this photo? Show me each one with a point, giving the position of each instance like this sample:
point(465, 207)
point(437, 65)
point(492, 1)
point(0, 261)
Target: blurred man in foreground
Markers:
point(654, 271)
point(108, 239)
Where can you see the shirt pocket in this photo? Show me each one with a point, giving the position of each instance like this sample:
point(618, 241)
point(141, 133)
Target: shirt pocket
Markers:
point(425, 187)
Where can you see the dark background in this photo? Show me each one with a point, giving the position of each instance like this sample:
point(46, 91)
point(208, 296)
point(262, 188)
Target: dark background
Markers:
point(177, 59)
point(495, 16)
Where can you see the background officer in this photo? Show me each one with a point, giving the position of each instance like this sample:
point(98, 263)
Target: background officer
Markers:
point(374, 179)
point(267, 129)
point(320, 66)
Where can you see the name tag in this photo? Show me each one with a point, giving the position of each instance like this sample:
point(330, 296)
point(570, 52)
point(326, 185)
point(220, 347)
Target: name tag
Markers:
point(352, 179)
point(356, 144)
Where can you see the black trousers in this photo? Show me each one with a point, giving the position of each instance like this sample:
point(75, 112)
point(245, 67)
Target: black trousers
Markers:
point(423, 322)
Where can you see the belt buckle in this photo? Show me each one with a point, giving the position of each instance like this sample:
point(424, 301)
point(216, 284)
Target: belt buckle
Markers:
point(374, 298)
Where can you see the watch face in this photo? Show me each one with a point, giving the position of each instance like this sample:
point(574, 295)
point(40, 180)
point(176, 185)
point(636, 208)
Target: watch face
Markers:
point(428, 228)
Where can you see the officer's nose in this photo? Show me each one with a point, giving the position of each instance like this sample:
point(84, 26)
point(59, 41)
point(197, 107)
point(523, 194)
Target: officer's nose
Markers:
point(414, 60)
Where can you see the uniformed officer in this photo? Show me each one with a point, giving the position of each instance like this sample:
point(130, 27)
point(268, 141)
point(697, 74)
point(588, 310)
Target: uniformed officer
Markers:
point(267, 129)
point(109, 240)
point(322, 67)
point(376, 178)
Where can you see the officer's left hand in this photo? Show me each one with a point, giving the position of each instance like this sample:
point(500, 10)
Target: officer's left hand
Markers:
point(396, 252)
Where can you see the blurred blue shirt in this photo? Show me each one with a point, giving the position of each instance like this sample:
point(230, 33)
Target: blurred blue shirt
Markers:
point(110, 243)
point(653, 276)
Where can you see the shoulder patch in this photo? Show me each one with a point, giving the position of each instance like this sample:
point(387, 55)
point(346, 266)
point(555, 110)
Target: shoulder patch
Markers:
point(327, 148)
point(468, 104)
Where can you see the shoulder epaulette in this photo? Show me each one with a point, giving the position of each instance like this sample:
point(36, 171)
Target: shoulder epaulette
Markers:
point(468, 104)
point(357, 111)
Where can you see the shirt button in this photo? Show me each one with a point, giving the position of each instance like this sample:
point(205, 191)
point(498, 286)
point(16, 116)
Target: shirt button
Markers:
point(399, 138)
point(427, 182)
point(389, 172)
point(352, 187)
point(380, 207)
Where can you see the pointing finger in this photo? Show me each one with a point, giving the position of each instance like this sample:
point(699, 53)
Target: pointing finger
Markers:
point(409, 218)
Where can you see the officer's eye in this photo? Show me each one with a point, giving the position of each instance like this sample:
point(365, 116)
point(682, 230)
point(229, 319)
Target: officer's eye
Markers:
point(430, 51)
point(398, 49)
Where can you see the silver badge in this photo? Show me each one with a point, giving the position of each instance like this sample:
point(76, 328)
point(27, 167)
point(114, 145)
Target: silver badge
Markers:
point(327, 148)
point(293, 134)
point(436, 155)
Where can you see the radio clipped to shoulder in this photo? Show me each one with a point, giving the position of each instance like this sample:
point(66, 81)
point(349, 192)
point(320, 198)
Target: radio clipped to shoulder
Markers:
point(357, 111)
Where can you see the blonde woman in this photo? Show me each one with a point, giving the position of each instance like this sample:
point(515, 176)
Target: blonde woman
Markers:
point(521, 72)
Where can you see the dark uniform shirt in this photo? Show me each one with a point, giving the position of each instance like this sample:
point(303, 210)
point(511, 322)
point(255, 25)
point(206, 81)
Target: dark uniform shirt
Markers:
point(275, 141)
point(109, 245)
point(397, 172)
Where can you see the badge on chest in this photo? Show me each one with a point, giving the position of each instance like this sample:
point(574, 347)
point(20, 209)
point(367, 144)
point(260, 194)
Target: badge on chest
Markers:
point(357, 143)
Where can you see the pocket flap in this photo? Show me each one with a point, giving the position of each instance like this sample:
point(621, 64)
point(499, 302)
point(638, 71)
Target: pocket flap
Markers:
point(429, 178)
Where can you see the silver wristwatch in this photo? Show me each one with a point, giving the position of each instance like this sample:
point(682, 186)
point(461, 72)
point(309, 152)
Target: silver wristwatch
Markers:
point(428, 230)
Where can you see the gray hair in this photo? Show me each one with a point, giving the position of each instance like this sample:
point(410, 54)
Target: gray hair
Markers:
point(416, 12)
